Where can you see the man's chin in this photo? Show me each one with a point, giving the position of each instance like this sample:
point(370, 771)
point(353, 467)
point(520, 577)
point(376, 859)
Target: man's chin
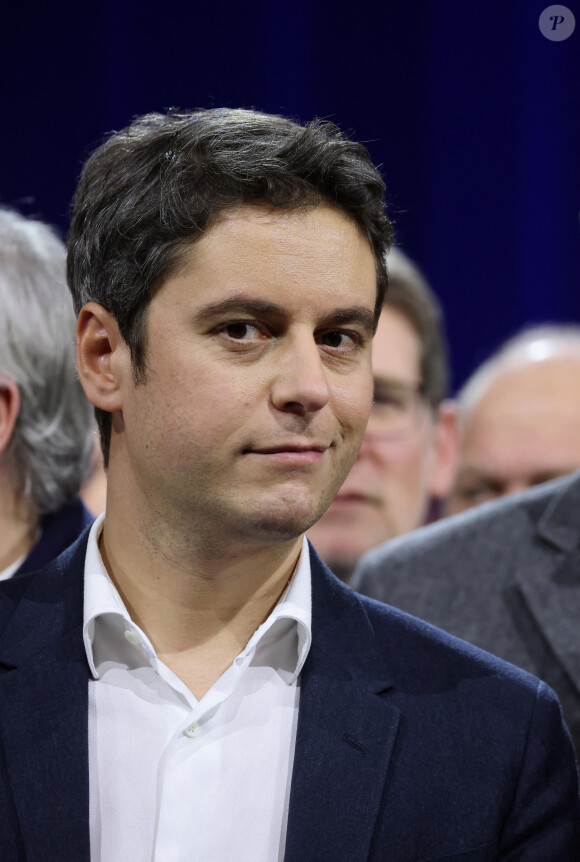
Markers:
point(281, 515)
point(279, 526)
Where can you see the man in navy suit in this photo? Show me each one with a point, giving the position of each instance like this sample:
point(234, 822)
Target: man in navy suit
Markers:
point(188, 681)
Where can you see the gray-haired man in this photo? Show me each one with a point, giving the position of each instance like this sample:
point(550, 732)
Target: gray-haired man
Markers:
point(46, 424)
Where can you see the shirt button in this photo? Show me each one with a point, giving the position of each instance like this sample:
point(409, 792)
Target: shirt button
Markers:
point(132, 637)
point(192, 731)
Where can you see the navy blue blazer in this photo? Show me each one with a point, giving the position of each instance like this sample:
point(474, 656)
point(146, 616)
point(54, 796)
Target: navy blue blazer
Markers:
point(411, 745)
point(57, 532)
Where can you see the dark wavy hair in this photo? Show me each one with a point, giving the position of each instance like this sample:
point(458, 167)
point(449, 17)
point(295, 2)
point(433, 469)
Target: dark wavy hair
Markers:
point(153, 188)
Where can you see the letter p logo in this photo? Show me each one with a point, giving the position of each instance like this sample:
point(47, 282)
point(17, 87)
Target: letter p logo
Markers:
point(557, 23)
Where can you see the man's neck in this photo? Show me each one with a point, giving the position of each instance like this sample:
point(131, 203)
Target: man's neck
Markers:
point(199, 611)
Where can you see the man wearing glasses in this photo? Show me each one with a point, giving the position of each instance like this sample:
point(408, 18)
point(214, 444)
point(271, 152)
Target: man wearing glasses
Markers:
point(408, 457)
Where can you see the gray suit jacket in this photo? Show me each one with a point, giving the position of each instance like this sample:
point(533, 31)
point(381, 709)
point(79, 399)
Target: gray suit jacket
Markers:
point(504, 576)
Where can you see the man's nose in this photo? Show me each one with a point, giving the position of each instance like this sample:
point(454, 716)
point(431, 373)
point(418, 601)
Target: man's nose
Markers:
point(369, 444)
point(300, 385)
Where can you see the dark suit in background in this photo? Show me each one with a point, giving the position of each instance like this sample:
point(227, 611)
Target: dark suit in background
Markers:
point(57, 532)
point(504, 576)
point(410, 746)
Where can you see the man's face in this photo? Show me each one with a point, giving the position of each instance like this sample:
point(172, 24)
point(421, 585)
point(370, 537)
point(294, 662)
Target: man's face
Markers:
point(388, 489)
point(524, 430)
point(258, 383)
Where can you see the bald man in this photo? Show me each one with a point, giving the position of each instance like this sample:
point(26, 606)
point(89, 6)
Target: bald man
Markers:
point(520, 414)
point(505, 576)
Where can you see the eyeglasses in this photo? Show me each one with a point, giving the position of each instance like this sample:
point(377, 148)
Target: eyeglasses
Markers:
point(397, 407)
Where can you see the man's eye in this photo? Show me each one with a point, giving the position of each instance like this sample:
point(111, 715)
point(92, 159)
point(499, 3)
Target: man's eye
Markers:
point(479, 492)
point(241, 331)
point(388, 399)
point(337, 339)
point(394, 397)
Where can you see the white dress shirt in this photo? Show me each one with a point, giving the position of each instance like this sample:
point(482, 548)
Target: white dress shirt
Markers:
point(174, 779)
point(7, 573)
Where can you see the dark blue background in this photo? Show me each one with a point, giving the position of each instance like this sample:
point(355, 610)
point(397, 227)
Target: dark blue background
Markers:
point(473, 115)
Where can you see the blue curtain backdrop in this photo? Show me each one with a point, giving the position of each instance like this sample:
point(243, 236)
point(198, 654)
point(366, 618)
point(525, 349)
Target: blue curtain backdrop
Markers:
point(472, 113)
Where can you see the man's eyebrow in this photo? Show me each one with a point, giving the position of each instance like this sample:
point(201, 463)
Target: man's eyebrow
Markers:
point(360, 314)
point(240, 305)
point(396, 382)
point(474, 474)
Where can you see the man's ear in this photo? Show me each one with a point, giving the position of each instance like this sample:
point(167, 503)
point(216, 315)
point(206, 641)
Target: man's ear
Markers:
point(9, 410)
point(103, 357)
point(446, 455)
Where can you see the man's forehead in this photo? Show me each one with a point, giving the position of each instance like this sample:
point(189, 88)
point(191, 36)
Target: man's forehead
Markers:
point(275, 262)
point(396, 347)
point(549, 386)
point(540, 368)
point(257, 235)
point(262, 216)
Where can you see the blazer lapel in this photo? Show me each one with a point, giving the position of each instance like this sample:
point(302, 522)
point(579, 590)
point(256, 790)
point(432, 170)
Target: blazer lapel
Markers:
point(346, 732)
point(345, 737)
point(44, 713)
point(550, 583)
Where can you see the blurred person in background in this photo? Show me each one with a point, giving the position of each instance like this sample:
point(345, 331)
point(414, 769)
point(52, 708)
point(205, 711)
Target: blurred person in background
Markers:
point(520, 416)
point(505, 575)
point(46, 422)
point(408, 456)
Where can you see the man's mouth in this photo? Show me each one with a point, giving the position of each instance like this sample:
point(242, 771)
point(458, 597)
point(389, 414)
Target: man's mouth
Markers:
point(353, 498)
point(309, 452)
point(289, 447)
